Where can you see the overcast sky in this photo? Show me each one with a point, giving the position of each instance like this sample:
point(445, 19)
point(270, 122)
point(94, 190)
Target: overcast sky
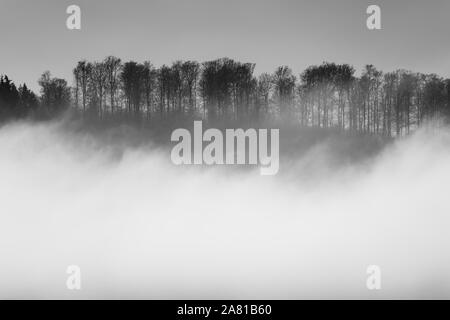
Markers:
point(298, 33)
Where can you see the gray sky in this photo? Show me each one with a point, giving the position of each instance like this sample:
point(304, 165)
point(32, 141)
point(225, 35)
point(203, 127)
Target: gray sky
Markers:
point(298, 33)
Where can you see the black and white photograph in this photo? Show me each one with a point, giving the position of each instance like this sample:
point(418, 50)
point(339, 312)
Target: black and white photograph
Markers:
point(224, 150)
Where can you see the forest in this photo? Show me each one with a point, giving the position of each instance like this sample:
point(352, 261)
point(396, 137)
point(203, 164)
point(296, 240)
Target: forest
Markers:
point(329, 95)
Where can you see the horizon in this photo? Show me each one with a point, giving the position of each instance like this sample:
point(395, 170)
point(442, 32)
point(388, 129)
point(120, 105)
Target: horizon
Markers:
point(358, 72)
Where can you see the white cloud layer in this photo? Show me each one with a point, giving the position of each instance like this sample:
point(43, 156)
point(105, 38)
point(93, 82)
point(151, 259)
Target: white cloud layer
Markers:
point(139, 227)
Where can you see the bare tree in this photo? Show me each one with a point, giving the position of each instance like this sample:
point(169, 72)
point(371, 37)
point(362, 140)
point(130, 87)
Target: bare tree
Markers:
point(113, 67)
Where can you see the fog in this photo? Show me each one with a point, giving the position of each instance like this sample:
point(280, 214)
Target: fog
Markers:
point(140, 227)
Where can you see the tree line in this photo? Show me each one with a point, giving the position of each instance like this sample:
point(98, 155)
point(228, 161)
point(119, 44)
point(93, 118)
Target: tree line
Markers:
point(328, 95)
point(16, 102)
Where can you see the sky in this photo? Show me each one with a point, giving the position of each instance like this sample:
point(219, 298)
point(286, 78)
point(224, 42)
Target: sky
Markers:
point(33, 35)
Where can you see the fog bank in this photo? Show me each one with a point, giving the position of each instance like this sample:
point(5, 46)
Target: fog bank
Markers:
point(140, 227)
